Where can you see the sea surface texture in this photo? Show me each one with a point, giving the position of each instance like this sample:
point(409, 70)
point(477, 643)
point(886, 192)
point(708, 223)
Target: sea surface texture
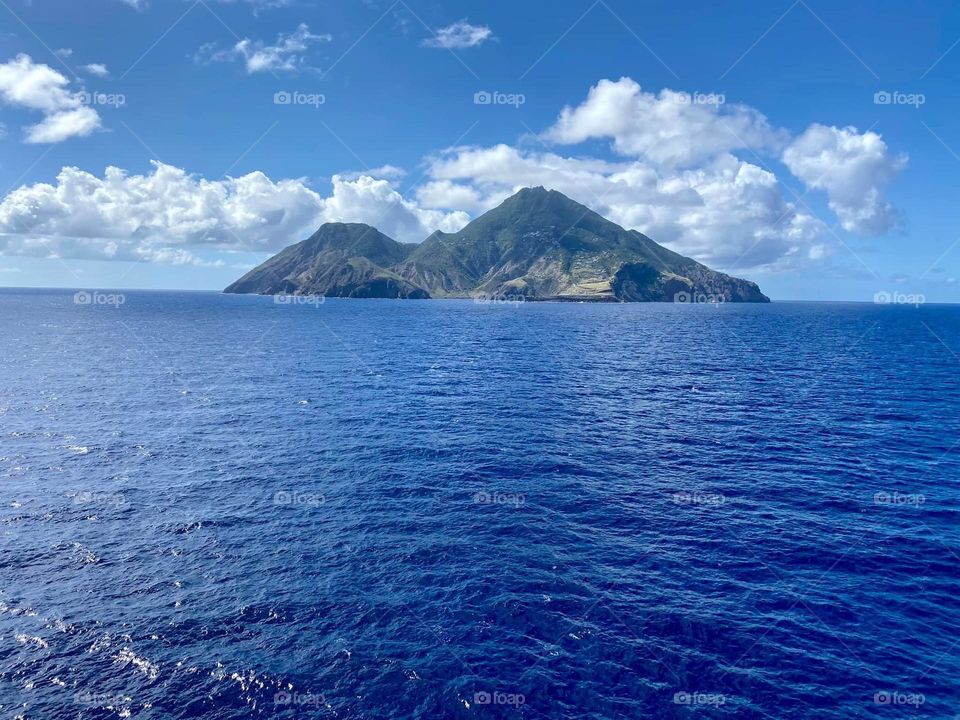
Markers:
point(231, 507)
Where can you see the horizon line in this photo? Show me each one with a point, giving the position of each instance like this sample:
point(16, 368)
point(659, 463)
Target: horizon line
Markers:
point(568, 302)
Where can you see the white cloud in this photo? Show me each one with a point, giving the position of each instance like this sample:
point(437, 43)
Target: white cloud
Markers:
point(459, 35)
point(168, 215)
point(672, 128)
point(165, 207)
point(727, 213)
point(389, 172)
point(674, 178)
point(853, 169)
point(34, 86)
point(449, 194)
point(287, 55)
point(375, 202)
point(63, 52)
point(98, 69)
point(64, 125)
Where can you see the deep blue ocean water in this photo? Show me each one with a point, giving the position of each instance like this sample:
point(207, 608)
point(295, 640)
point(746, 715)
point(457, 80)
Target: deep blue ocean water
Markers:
point(222, 507)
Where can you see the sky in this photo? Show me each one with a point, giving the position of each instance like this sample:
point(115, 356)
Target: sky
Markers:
point(807, 145)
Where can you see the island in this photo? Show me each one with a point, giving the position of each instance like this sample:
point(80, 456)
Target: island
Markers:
point(537, 245)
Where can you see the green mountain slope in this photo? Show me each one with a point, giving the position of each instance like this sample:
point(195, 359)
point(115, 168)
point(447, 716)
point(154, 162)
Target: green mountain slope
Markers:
point(537, 244)
point(339, 260)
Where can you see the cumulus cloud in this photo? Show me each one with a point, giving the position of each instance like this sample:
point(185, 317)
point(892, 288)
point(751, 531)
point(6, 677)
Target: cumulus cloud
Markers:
point(376, 202)
point(854, 169)
point(64, 125)
point(675, 175)
point(168, 214)
point(669, 128)
point(459, 35)
point(98, 69)
point(728, 213)
point(287, 55)
point(166, 207)
point(35, 86)
point(389, 172)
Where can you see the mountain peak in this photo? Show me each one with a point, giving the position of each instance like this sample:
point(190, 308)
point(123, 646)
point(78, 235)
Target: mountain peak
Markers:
point(340, 227)
point(533, 193)
point(532, 199)
point(538, 243)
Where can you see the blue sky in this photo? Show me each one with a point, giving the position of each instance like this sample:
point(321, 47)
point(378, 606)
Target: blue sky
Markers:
point(749, 135)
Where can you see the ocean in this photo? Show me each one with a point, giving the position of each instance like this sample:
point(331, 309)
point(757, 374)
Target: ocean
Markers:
point(227, 507)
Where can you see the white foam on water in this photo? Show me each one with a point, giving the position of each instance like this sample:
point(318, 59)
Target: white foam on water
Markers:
point(32, 640)
point(89, 557)
point(127, 657)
